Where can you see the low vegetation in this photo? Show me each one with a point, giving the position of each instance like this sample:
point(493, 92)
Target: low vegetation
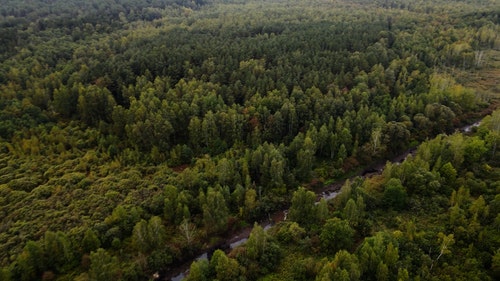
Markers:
point(136, 134)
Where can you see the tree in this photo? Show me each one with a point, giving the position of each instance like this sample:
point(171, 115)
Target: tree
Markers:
point(103, 266)
point(495, 264)
point(120, 223)
point(336, 235)
point(90, 241)
point(276, 172)
point(170, 203)
point(65, 101)
point(305, 158)
point(492, 123)
point(322, 210)
point(354, 212)
point(251, 202)
point(474, 150)
point(58, 251)
point(378, 257)
point(290, 232)
point(395, 195)
point(302, 209)
point(199, 271)
point(31, 261)
point(95, 104)
point(445, 241)
point(209, 131)
point(149, 236)
point(396, 136)
point(215, 211)
point(260, 249)
point(195, 133)
point(344, 266)
point(226, 269)
point(149, 122)
point(257, 242)
point(5, 274)
point(188, 229)
point(225, 171)
point(376, 140)
point(322, 140)
point(449, 173)
point(441, 116)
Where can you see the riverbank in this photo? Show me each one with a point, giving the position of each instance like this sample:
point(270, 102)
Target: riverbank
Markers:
point(328, 192)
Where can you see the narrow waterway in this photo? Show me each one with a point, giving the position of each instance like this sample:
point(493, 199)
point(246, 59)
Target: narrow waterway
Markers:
point(236, 240)
point(328, 192)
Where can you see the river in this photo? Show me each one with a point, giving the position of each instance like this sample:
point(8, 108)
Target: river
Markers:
point(329, 192)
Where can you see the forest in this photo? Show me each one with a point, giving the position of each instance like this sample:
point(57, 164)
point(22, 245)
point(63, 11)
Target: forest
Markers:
point(137, 134)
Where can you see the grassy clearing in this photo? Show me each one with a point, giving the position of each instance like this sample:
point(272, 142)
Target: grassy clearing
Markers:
point(485, 80)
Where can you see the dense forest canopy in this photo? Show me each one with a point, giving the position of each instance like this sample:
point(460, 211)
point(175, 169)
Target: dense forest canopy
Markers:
point(135, 134)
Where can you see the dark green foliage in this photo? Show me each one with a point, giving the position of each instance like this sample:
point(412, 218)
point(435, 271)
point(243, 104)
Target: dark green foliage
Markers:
point(159, 258)
point(345, 266)
point(149, 236)
point(261, 253)
point(103, 266)
point(395, 195)
point(199, 271)
point(90, 241)
point(225, 268)
point(378, 257)
point(135, 133)
point(336, 235)
point(58, 251)
point(215, 211)
point(303, 210)
point(30, 264)
point(65, 101)
point(94, 105)
point(5, 274)
point(495, 264)
point(290, 232)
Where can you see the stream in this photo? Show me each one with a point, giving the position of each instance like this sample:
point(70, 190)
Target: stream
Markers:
point(329, 192)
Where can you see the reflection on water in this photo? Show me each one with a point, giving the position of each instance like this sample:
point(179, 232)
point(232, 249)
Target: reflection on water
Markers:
point(468, 129)
point(331, 195)
point(179, 277)
point(183, 275)
point(237, 243)
point(327, 195)
point(203, 256)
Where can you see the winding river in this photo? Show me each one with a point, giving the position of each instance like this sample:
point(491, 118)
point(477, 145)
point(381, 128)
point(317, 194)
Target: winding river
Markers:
point(329, 192)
